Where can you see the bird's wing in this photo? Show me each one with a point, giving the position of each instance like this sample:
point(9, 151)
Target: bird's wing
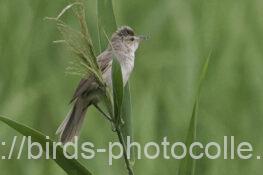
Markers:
point(85, 85)
point(104, 61)
point(88, 84)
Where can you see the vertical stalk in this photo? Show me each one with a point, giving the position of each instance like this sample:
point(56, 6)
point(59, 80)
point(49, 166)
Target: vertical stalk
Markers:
point(125, 156)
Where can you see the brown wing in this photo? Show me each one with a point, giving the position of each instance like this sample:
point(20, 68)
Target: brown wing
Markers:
point(88, 84)
point(85, 85)
point(104, 60)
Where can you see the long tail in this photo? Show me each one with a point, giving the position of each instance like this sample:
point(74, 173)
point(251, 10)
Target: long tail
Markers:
point(70, 127)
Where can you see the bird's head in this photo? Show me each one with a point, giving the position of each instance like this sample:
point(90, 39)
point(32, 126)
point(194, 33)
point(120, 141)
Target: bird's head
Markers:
point(125, 37)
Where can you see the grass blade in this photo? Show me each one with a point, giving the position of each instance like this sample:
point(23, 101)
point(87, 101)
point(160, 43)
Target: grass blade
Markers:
point(187, 166)
point(70, 166)
point(106, 21)
point(126, 116)
point(117, 88)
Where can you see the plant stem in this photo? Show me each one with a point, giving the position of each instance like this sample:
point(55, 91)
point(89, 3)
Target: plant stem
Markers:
point(121, 139)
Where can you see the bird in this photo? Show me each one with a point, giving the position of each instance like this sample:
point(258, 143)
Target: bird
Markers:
point(122, 45)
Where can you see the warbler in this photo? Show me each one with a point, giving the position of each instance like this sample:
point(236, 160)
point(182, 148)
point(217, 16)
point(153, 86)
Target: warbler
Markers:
point(122, 45)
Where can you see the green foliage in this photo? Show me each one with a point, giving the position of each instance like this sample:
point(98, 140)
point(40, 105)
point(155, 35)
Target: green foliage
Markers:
point(187, 166)
point(106, 21)
point(126, 113)
point(117, 88)
point(71, 166)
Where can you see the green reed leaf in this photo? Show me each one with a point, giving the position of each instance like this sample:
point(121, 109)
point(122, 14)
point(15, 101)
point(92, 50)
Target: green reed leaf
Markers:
point(117, 88)
point(106, 21)
point(70, 166)
point(126, 112)
point(187, 166)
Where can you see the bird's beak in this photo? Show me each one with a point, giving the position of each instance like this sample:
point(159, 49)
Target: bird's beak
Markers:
point(142, 37)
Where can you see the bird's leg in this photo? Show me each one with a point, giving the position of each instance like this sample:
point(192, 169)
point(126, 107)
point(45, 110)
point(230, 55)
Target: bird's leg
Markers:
point(122, 122)
point(113, 127)
point(103, 113)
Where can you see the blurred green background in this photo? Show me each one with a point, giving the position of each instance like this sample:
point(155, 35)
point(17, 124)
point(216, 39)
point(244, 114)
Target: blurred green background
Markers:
point(35, 90)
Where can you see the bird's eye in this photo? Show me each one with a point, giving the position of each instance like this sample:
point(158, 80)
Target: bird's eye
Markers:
point(132, 39)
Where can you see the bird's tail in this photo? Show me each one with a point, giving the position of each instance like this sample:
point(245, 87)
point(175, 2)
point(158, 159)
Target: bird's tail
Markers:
point(70, 127)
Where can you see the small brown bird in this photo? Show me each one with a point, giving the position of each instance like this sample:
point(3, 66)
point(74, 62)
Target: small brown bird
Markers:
point(123, 45)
